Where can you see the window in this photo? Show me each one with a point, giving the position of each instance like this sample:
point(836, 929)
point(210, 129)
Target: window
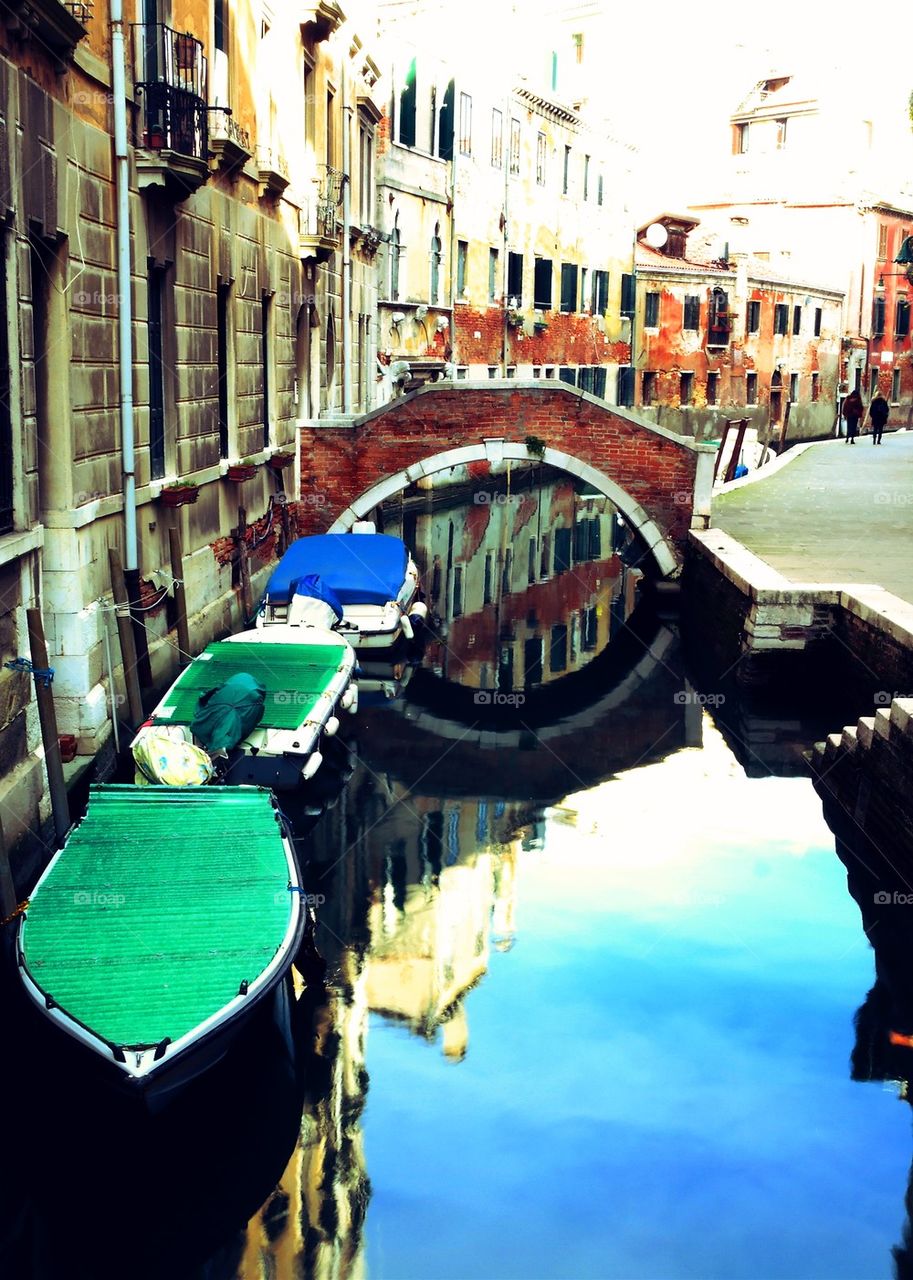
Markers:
point(895, 387)
point(223, 295)
point(457, 591)
point(797, 320)
point(465, 124)
point(816, 386)
point(713, 388)
point(751, 388)
point(492, 371)
point(584, 296)
point(497, 139)
point(505, 573)
point(542, 285)
point(685, 388)
point(648, 387)
point(155, 291)
point(394, 260)
point(407, 111)
point(753, 318)
point(432, 121)
point(624, 386)
point(599, 381)
point(366, 175)
point(651, 315)
point(873, 379)
point(515, 279)
point(781, 134)
point(531, 562)
point(537, 370)
point(600, 292)
point(558, 649)
point(515, 147)
point(627, 295)
point(492, 274)
point(567, 171)
point(6, 419)
point(544, 558)
point(883, 241)
point(585, 378)
point(781, 317)
point(435, 264)
point(818, 314)
point(568, 287)
point(691, 312)
point(265, 344)
point(445, 127)
point(486, 589)
point(568, 375)
point(309, 102)
point(718, 319)
point(563, 544)
point(794, 388)
point(878, 316)
point(331, 129)
point(902, 318)
point(740, 141)
point(600, 186)
point(586, 177)
point(578, 47)
point(462, 255)
point(540, 160)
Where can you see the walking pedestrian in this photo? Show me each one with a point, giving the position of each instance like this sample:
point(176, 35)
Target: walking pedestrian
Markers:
point(879, 410)
point(853, 409)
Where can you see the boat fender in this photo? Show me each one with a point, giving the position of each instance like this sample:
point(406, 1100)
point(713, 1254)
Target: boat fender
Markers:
point(312, 765)
point(418, 612)
point(331, 726)
point(408, 629)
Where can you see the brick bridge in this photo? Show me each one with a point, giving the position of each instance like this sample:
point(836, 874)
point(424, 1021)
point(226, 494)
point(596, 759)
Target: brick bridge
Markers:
point(659, 481)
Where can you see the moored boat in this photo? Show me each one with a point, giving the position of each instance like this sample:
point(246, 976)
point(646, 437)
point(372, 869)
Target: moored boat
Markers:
point(372, 575)
point(167, 918)
point(293, 678)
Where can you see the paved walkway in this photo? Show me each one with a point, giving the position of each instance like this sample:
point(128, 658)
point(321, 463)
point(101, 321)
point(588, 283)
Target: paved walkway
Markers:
point(836, 513)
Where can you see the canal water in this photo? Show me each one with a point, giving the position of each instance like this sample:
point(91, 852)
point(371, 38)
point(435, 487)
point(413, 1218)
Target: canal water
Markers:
point(593, 971)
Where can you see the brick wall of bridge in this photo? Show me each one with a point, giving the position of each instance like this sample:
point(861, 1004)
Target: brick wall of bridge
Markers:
point(340, 463)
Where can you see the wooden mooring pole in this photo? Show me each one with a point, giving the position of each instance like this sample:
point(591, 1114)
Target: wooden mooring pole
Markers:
point(7, 886)
point(125, 632)
point(47, 718)
point(180, 596)
point(247, 604)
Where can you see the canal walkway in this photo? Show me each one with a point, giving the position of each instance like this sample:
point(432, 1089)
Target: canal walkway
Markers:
point(834, 513)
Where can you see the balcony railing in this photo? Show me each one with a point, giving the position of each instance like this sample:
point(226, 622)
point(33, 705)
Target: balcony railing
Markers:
point(171, 76)
point(329, 198)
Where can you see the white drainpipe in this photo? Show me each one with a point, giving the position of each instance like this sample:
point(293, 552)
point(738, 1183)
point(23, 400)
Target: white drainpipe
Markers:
point(124, 318)
point(346, 255)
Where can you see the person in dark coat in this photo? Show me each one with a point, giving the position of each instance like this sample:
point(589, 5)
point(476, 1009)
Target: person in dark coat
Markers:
point(853, 409)
point(878, 412)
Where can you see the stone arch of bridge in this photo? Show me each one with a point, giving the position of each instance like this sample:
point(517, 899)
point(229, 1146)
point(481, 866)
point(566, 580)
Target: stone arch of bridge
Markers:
point(659, 546)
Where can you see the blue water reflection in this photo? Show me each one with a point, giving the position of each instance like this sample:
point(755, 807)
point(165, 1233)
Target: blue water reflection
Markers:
point(657, 1077)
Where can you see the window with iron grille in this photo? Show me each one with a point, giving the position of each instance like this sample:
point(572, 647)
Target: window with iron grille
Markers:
point(797, 320)
point(902, 318)
point(515, 278)
point(492, 274)
point(883, 241)
point(542, 284)
point(515, 146)
point(691, 312)
point(568, 287)
point(651, 314)
point(465, 124)
point(895, 386)
point(540, 160)
point(873, 379)
point(878, 317)
point(751, 388)
point(624, 386)
point(718, 319)
point(818, 315)
point(497, 139)
point(685, 388)
point(781, 317)
point(600, 292)
point(794, 388)
point(648, 387)
point(753, 318)
point(713, 386)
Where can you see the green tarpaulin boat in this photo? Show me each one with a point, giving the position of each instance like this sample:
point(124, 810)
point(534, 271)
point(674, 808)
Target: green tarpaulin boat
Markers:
point(163, 921)
point(306, 673)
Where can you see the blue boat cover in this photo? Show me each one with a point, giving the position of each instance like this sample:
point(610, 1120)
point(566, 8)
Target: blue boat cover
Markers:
point(314, 589)
point(361, 568)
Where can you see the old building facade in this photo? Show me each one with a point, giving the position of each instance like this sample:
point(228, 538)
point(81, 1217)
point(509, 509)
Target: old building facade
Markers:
point(252, 310)
point(719, 338)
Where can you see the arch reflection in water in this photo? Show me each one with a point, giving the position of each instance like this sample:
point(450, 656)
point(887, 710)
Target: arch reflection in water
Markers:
point(524, 571)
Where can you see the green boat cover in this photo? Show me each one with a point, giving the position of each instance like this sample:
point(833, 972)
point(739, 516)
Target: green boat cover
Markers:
point(161, 903)
point(294, 676)
point(227, 714)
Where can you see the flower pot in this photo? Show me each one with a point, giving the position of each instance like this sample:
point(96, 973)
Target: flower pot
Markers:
point(179, 496)
point(280, 460)
point(67, 743)
point(239, 471)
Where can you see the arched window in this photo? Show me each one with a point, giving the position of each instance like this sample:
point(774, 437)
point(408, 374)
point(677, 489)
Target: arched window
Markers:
point(436, 263)
point(394, 260)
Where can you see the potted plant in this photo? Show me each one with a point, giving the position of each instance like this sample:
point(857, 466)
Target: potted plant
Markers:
point(280, 459)
point(514, 318)
point(179, 494)
point(243, 470)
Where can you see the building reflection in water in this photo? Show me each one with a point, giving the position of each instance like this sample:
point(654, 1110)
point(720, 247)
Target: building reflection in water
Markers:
point(419, 860)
